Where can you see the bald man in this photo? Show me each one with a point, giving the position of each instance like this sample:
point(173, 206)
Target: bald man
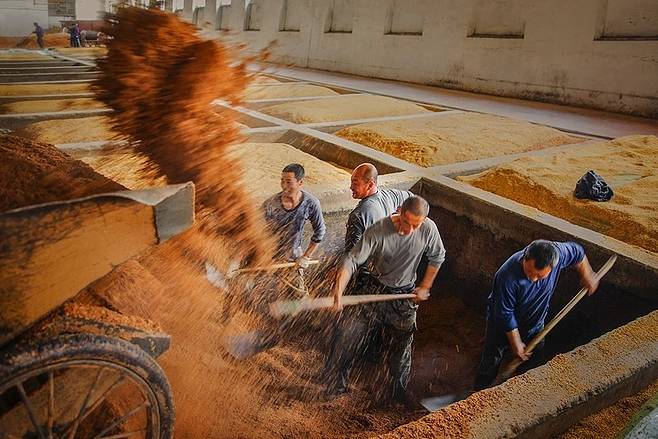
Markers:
point(375, 203)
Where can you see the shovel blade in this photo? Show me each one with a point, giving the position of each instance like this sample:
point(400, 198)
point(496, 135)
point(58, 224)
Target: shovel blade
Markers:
point(438, 402)
point(243, 346)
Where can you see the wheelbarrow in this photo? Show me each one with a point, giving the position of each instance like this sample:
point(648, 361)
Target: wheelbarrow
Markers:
point(66, 372)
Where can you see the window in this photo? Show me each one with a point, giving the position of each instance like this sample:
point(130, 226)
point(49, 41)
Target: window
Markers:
point(224, 15)
point(60, 8)
point(252, 19)
point(341, 17)
point(498, 19)
point(291, 16)
point(405, 18)
point(628, 20)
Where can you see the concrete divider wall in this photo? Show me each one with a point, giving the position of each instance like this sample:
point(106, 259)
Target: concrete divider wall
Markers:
point(592, 53)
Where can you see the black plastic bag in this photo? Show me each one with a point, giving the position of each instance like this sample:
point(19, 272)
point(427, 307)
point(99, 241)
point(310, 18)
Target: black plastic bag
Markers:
point(593, 187)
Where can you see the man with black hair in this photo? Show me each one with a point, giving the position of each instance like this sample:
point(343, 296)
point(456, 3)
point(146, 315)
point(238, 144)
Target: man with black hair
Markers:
point(520, 297)
point(392, 248)
point(38, 31)
point(286, 213)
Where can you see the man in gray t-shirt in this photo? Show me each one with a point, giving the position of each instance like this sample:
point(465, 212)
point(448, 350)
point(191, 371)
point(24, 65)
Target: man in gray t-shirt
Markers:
point(375, 203)
point(392, 249)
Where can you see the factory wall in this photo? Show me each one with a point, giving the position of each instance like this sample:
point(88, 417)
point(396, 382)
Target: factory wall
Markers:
point(593, 53)
point(17, 16)
point(89, 9)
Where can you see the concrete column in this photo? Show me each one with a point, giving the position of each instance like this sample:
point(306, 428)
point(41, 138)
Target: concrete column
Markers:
point(210, 14)
point(188, 9)
point(169, 5)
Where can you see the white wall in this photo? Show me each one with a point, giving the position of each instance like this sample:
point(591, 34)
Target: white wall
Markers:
point(17, 17)
point(594, 53)
point(89, 9)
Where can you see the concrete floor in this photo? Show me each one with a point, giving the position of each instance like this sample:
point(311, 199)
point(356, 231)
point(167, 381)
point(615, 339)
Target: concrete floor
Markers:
point(578, 120)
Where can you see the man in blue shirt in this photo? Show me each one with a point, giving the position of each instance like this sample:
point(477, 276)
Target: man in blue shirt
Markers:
point(520, 297)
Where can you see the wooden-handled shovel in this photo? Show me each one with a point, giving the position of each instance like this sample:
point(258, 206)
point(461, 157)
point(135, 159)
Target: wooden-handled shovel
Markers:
point(291, 307)
point(511, 367)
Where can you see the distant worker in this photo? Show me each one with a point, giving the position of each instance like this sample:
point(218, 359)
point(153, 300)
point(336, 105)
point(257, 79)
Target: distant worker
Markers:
point(392, 248)
point(38, 31)
point(519, 300)
point(74, 34)
point(287, 212)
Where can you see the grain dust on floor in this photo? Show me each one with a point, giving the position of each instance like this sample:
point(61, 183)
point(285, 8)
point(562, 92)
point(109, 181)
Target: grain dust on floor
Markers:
point(453, 138)
point(83, 129)
point(628, 164)
point(345, 107)
point(43, 89)
point(50, 105)
point(286, 90)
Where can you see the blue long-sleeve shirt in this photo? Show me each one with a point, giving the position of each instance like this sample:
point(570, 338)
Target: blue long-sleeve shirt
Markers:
point(288, 224)
point(517, 302)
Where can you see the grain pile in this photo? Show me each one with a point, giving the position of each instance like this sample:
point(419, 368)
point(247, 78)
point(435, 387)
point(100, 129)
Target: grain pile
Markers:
point(286, 90)
point(77, 130)
point(628, 164)
point(50, 105)
point(43, 89)
point(610, 422)
point(160, 78)
point(33, 173)
point(346, 107)
point(453, 138)
point(53, 39)
point(263, 162)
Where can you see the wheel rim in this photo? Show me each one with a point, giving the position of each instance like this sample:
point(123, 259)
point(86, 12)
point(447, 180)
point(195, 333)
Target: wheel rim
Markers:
point(78, 399)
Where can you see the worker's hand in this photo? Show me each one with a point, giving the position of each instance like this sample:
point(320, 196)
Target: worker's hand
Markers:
point(421, 293)
point(338, 303)
point(591, 283)
point(519, 350)
point(303, 262)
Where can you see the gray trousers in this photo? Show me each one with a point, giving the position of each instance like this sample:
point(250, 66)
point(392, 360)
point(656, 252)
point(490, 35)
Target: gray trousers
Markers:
point(396, 320)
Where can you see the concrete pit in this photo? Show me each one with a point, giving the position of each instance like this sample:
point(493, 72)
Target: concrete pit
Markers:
point(606, 348)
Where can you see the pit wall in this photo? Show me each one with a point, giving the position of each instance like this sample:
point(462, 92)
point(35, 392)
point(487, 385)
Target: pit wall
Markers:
point(506, 48)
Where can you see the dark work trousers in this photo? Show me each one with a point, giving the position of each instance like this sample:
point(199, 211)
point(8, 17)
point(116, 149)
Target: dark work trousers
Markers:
point(496, 346)
point(397, 322)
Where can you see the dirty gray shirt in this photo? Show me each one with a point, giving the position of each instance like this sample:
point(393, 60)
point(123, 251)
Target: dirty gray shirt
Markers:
point(393, 258)
point(288, 225)
point(379, 205)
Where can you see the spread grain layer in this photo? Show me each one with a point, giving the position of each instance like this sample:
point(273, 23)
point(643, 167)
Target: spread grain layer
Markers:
point(50, 105)
point(453, 138)
point(262, 164)
point(547, 391)
point(628, 164)
point(32, 172)
point(50, 39)
point(286, 90)
point(345, 107)
point(610, 422)
point(76, 130)
point(43, 89)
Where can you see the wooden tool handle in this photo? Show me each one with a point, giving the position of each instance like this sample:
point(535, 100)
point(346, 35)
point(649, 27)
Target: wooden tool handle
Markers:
point(516, 362)
point(291, 307)
point(272, 267)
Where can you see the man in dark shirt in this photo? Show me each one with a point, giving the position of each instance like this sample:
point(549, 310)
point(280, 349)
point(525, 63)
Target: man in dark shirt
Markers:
point(520, 297)
point(38, 31)
point(375, 203)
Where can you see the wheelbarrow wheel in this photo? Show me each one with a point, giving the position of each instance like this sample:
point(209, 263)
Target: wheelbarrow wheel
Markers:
point(83, 386)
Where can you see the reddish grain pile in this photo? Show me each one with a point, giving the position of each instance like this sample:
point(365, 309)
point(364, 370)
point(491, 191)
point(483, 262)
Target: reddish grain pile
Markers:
point(33, 172)
point(161, 78)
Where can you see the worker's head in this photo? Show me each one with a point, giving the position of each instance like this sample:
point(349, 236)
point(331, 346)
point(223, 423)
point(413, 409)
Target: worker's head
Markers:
point(413, 212)
point(292, 178)
point(364, 181)
point(539, 259)
point(35, 24)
